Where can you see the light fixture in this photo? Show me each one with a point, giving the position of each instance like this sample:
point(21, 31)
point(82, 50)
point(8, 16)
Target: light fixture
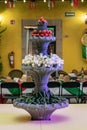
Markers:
point(85, 18)
point(44, 1)
point(0, 20)
point(82, 0)
point(24, 1)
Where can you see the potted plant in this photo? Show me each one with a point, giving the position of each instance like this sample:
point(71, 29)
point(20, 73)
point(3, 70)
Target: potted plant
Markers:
point(1, 65)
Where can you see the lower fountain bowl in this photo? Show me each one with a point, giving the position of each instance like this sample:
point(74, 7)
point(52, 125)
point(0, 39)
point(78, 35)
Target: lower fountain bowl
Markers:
point(40, 111)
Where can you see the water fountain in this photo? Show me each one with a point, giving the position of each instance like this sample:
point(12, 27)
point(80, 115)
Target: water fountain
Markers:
point(41, 103)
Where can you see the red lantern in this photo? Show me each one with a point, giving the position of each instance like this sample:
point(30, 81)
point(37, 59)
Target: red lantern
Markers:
point(10, 3)
point(51, 3)
point(32, 4)
point(75, 2)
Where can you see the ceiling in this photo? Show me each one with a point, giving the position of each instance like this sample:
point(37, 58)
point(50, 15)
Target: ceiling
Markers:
point(44, 0)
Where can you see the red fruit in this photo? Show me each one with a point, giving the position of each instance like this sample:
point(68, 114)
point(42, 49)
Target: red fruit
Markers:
point(40, 32)
point(47, 31)
point(35, 31)
point(50, 34)
point(37, 34)
point(32, 34)
point(42, 35)
point(46, 34)
point(50, 31)
point(44, 31)
point(43, 21)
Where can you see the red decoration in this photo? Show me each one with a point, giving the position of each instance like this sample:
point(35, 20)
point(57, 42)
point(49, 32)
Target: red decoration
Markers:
point(32, 4)
point(75, 2)
point(10, 3)
point(51, 3)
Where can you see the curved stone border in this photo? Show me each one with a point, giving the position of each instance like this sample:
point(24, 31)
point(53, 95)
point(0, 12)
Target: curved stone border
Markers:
point(40, 111)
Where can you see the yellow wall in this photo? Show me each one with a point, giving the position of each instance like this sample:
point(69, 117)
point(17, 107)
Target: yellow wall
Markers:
point(72, 30)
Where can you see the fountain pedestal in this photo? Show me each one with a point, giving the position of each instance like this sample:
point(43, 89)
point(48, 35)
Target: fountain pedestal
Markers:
point(41, 103)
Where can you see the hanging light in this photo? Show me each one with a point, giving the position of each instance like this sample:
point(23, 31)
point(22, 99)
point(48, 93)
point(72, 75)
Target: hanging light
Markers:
point(24, 1)
point(82, 0)
point(5, 1)
point(0, 20)
point(45, 1)
point(85, 18)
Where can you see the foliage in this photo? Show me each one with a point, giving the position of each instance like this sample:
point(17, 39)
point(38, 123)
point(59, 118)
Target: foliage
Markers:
point(2, 30)
point(41, 98)
point(1, 65)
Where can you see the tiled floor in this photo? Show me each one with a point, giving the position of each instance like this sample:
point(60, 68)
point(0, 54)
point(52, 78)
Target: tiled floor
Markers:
point(73, 117)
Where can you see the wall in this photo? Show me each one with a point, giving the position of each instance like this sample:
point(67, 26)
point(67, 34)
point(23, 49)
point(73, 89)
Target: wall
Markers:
point(72, 30)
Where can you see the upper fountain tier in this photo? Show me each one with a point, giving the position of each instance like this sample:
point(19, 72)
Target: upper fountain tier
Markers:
point(42, 34)
point(42, 24)
point(42, 30)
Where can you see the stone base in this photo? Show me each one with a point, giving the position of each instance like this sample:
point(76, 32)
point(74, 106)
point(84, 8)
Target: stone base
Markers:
point(40, 111)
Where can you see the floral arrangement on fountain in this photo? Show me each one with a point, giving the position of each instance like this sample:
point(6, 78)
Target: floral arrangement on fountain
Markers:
point(41, 102)
point(50, 61)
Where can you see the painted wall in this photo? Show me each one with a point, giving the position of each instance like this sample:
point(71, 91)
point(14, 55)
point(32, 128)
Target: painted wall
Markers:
point(72, 31)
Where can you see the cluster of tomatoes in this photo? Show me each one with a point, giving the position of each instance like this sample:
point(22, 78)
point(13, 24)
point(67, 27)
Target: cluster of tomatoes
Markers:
point(42, 20)
point(42, 33)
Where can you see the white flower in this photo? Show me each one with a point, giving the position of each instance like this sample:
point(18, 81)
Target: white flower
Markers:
point(39, 60)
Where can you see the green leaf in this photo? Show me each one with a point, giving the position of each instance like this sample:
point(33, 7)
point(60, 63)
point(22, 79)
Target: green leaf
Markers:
point(3, 30)
point(1, 67)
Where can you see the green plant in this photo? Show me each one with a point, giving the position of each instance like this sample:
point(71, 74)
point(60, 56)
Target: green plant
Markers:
point(2, 30)
point(1, 65)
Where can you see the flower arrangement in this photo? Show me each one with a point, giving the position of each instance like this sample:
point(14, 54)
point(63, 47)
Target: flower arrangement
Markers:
point(42, 60)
